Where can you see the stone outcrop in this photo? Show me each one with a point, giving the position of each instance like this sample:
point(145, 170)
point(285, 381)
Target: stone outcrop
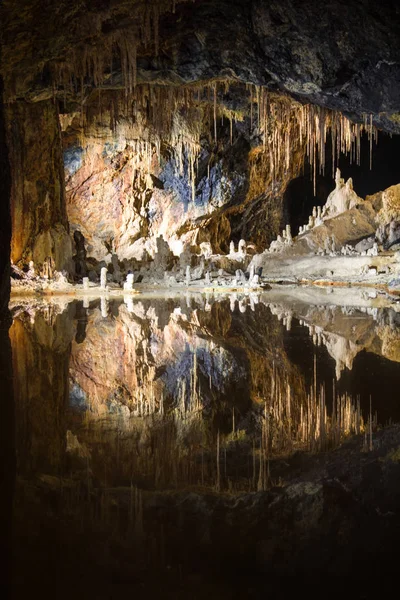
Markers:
point(39, 218)
point(341, 199)
point(388, 232)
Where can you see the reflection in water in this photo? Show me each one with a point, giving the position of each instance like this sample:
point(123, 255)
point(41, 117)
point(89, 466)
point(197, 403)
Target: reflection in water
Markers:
point(189, 391)
point(135, 419)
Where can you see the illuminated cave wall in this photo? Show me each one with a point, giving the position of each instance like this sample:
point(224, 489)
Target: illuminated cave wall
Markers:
point(195, 186)
point(185, 163)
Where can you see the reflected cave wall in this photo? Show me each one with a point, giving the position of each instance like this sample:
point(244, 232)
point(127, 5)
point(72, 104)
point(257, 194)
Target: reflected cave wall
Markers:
point(7, 451)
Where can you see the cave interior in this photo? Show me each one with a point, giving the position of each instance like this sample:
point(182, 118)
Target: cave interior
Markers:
point(245, 151)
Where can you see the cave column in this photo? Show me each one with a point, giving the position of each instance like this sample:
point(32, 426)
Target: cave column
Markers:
point(39, 219)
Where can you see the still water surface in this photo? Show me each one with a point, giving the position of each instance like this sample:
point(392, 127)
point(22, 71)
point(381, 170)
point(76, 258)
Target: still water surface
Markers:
point(118, 400)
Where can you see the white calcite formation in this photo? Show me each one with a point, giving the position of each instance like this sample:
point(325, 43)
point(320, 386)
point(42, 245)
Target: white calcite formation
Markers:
point(282, 241)
point(242, 248)
point(341, 199)
point(206, 249)
point(128, 285)
point(31, 272)
point(240, 277)
point(188, 275)
point(85, 282)
point(103, 278)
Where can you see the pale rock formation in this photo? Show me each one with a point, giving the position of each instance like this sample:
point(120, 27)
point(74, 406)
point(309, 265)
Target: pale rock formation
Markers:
point(208, 278)
point(85, 282)
point(240, 277)
point(251, 272)
point(231, 248)
point(188, 275)
point(319, 221)
point(206, 249)
point(48, 267)
point(128, 285)
point(242, 248)
point(31, 272)
point(103, 278)
point(282, 241)
point(341, 199)
point(364, 245)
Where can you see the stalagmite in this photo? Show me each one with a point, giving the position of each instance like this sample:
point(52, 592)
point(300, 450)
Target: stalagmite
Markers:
point(208, 278)
point(206, 249)
point(128, 285)
point(188, 275)
point(242, 248)
point(85, 282)
point(103, 278)
point(31, 272)
point(232, 248)
point(255, 280)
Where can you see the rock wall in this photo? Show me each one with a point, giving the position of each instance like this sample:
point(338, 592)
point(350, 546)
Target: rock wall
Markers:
point(39, 219)
point(199, 174)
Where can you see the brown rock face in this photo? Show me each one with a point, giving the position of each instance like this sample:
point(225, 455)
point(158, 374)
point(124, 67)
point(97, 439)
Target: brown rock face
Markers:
point(156, 157)
point(39, 219)
point(191, 170)
point(40, 349)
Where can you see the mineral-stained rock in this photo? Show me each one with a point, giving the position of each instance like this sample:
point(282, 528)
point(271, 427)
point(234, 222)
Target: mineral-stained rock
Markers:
point(39, 218)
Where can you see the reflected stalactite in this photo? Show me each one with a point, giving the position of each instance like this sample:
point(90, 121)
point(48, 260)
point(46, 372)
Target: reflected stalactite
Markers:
point(176, 395)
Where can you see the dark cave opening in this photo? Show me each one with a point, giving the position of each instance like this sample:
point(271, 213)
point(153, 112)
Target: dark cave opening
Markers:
point(299, 198)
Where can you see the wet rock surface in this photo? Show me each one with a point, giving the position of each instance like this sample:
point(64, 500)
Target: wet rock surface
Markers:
point(342, 55)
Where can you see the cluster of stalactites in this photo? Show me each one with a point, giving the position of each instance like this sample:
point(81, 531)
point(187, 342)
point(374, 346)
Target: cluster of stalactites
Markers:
point(175, 115)
point(153, 115)
point(282, 123)
point(95, 60)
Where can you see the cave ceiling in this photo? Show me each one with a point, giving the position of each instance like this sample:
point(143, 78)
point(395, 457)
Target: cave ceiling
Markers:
point(342, 55)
